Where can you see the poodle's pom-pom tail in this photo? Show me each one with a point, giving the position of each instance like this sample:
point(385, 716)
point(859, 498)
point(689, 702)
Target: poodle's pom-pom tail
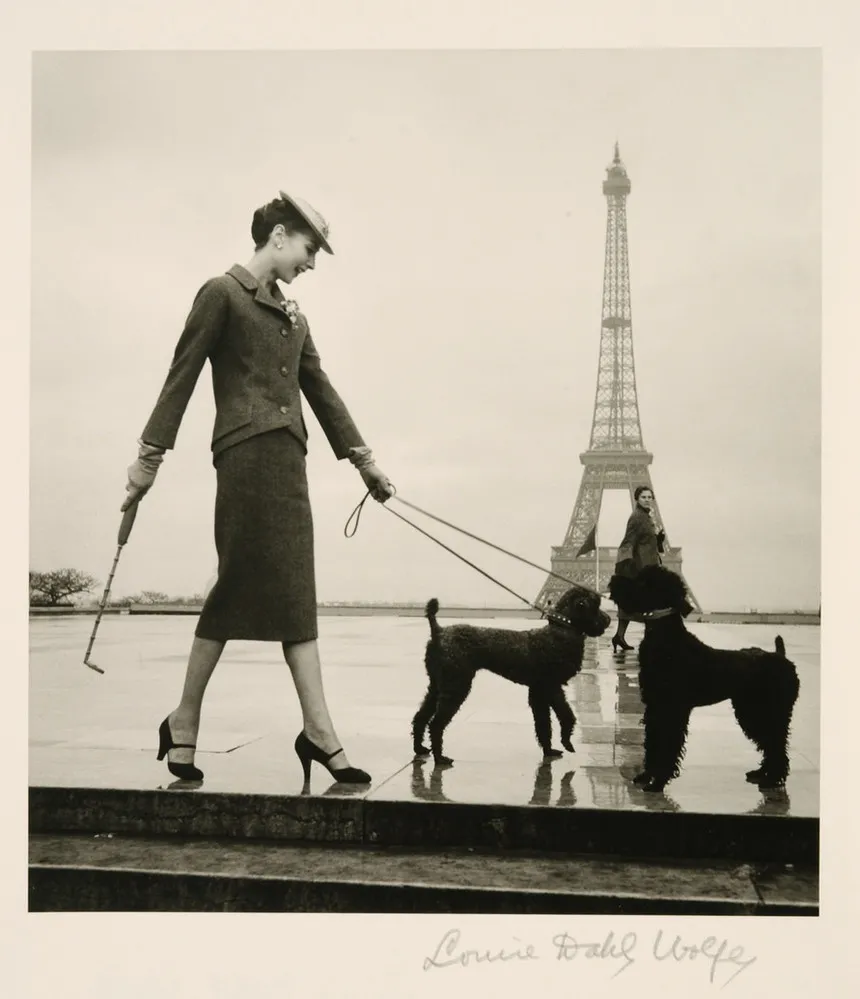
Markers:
point(780, 646)
point(430, 611)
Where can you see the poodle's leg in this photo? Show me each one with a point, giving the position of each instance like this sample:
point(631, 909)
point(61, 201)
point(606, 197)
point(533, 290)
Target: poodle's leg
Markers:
point(665, 737)
point(766, 724)
point(749, 716)
point(421, 720)
point(650, 742)
point(564, 712)
point(539, 703)
point(449, 701)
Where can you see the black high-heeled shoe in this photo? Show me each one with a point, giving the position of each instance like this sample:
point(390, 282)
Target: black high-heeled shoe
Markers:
point(184, 771)
point(307, 751)
point(619, 642)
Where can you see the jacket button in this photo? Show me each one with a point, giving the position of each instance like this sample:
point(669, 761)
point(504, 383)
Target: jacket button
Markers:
point(285, 370)
point(284, 410)
point(284, 332)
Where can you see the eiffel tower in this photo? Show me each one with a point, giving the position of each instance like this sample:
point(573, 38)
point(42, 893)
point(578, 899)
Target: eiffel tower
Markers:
point(616, 457)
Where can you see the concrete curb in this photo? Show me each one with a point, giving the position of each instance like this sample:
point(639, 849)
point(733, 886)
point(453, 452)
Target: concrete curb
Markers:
point(193, 812)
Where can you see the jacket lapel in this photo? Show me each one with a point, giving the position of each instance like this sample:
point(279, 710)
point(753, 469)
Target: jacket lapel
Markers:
point(264, 297)
point(261, 294)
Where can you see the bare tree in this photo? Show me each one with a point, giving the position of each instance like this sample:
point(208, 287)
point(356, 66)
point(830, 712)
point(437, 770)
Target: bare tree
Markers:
point(193, 601)
point(150, 597)
point(52, 589)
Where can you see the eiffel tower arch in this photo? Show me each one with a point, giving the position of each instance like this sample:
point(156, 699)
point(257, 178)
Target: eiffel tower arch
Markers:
point(616, 457)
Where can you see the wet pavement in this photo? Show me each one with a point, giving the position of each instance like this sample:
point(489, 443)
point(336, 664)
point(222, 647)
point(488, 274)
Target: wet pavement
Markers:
point(93, 731)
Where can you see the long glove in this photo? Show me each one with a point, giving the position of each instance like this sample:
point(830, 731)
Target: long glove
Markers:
point(142, 472)
point(375, 479)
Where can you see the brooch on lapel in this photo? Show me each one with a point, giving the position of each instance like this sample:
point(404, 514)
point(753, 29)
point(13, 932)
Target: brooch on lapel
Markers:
point(291, 307)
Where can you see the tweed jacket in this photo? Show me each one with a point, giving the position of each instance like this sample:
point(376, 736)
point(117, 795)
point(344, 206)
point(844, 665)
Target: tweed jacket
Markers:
point(641, 542)
point(261, 364)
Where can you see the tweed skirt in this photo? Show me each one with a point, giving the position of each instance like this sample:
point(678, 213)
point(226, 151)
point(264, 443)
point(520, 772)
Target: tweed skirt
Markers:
point(266, 587)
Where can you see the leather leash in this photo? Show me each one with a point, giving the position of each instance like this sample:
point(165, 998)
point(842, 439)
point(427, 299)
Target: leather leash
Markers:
point(356, 513)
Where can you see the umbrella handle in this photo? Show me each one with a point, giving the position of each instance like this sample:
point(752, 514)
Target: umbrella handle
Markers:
point(127, 523)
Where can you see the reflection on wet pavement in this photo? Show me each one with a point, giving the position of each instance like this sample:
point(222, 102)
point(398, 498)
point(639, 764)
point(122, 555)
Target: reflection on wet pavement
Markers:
point(88, 730)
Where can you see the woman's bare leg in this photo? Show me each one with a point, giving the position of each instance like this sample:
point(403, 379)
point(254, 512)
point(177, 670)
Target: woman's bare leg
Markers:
point(304, 662)
point(185, 719)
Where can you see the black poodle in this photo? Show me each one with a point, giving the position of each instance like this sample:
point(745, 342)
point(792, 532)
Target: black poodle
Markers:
point(542, 659)
point(678, 672)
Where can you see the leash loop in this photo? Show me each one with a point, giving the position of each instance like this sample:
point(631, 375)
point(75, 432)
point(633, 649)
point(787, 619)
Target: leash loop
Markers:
point(347, 533)
point(357, 514)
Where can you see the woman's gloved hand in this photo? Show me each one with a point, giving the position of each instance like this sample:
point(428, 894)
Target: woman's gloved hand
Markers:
point(142, 472)
point(377, 482)
point(374, 478)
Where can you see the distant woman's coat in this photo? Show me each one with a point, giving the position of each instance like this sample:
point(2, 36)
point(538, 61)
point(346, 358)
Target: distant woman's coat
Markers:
point(640, 546)
point(263, 359)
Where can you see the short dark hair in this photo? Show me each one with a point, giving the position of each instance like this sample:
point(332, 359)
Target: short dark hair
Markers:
point(641, 489)
point(277, 212)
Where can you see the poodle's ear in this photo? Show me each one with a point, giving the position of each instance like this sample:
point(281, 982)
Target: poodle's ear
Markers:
point(621, 589)
point(574, 598)
point(565, 602)
point(650, 573)
point(679, 600)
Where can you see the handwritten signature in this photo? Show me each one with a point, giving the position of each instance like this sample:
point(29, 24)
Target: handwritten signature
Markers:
point(712, 949)
point(449, 947)
point(715, 953)
point(568, 948)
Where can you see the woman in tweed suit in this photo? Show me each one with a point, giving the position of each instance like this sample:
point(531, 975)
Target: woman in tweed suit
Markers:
point(640, 546)
point(263, 360)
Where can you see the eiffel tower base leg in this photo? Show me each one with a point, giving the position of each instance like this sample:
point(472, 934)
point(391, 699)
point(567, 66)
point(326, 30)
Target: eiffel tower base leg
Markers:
point(603, 470)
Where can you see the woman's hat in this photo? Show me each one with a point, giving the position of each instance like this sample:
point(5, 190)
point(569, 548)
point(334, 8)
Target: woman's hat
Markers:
point(312, 217)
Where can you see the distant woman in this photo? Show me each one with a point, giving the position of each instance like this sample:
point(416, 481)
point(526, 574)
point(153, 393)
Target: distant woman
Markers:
point(263, 360)
point(641, 545)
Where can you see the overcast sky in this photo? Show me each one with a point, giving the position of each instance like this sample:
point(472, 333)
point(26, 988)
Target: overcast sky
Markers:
point(460, 317)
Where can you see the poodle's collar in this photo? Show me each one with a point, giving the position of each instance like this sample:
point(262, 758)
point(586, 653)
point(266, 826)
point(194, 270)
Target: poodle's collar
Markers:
point(558, 619)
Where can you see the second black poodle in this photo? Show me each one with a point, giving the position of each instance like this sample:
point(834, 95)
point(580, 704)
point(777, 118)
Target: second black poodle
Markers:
point(678, 672)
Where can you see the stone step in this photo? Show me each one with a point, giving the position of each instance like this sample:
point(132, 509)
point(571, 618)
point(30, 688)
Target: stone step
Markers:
point(110, 872)
point(352, 818)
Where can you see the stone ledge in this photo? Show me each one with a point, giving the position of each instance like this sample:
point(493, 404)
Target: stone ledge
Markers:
point(81, 889)
point(356, 820)
point(163, 873)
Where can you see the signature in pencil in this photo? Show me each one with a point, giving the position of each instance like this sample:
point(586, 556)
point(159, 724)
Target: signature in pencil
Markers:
point(449, 953)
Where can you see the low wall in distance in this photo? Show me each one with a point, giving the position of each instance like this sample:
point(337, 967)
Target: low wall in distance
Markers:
point(417, 610)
